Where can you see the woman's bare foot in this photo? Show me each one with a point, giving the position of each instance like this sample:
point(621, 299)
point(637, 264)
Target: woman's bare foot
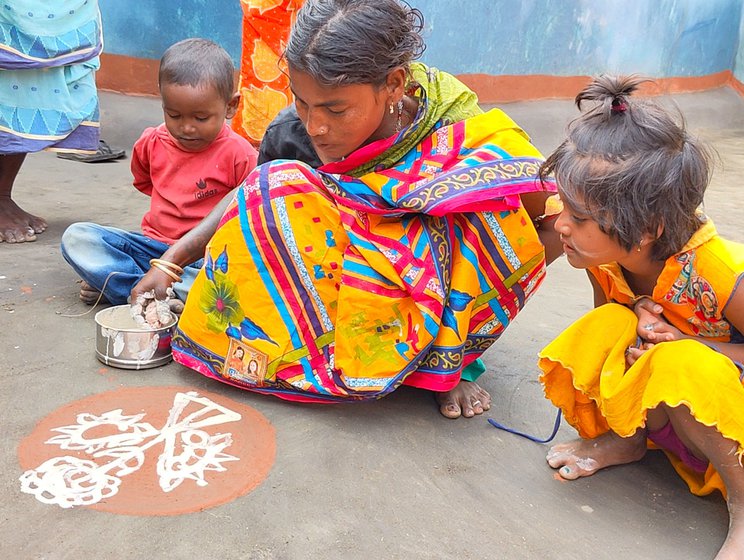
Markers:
point(17, 225)
point(584, 457)
point(466, 399)
point(89, 295)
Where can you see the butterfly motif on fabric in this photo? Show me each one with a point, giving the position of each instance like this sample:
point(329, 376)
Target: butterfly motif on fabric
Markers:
point(248, 330)
point(218, 265)
point(458, 301)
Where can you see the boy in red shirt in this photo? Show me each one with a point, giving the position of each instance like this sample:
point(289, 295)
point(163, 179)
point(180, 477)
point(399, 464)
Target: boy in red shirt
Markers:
point(186, 165)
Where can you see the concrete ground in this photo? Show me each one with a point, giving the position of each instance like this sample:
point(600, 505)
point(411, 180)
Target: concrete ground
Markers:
point(390, 479)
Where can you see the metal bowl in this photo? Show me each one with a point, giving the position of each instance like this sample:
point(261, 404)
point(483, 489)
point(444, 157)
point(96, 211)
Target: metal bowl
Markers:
point(122, 344)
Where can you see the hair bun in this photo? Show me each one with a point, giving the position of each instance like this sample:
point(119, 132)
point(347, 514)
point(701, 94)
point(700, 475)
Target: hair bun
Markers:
point(611, 92)
point(619, 105)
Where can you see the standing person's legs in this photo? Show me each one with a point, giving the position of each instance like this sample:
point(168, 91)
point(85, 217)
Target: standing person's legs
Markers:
point(16, 225)
point(95, 251)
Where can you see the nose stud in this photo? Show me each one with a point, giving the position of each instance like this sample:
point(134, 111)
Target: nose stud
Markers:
point(322, 130)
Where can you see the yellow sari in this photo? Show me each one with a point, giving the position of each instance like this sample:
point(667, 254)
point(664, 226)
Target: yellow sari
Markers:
point(343, 288)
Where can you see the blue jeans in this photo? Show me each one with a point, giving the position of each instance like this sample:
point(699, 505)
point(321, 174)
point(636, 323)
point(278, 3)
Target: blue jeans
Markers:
point(95, 251)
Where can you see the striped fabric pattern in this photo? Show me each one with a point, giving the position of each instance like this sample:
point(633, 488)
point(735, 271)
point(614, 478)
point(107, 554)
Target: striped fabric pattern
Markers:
point(349, 287)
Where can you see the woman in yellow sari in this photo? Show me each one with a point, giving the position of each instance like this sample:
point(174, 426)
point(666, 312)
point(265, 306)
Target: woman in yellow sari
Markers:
point(401, 258)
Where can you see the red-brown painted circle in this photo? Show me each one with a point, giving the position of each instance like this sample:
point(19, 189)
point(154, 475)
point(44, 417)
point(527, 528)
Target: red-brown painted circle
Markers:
point(253, 443)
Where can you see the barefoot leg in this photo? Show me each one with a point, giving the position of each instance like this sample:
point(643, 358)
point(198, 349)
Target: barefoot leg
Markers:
point(16, 225)
point(466, 399)
point(584, 457)
point(707, 442)
point(89, 295)
point(176, 306)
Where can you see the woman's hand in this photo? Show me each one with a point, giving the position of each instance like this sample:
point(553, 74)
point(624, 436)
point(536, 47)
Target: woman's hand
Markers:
point(154, 279)
point(183, 252)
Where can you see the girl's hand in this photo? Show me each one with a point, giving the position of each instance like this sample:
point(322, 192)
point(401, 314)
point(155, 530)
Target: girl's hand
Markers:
point(652, 327)
point(154, 279)
point(661, 331)
point(633, 353)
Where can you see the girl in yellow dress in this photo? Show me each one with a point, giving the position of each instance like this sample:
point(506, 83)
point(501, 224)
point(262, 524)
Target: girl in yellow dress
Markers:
point(667, 375)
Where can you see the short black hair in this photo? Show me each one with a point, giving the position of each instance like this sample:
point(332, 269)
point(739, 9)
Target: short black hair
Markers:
point(198, 62)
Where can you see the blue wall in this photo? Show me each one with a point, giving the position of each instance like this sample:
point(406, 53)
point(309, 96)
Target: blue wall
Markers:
point(739, 64)
point(145, 28)
point(659, 38)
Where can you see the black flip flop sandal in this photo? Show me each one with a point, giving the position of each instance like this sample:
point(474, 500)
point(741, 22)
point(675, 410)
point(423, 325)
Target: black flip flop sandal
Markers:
point(104, 153)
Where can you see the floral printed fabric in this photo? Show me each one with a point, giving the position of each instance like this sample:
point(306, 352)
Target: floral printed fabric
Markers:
point(694, 286)
point(264, 84)
point(344, 288)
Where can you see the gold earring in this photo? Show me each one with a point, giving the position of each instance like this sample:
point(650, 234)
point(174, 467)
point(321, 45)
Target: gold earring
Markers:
point(392, 109)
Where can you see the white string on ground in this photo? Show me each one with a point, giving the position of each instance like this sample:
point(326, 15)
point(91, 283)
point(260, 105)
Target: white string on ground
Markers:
point(100, 297)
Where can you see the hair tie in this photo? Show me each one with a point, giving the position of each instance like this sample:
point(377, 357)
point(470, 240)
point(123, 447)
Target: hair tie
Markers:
point(619, 106)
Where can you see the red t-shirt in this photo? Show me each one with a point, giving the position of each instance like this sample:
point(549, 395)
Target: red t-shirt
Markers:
point(185, 186)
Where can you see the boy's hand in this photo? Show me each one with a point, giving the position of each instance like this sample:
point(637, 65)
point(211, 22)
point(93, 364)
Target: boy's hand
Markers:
point(154, 279)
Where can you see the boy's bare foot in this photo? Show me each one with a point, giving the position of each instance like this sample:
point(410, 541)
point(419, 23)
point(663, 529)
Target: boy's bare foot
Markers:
point(466, 399)
point(17, 225)
point(584, 457)
point(89, 295)
point(176, 306)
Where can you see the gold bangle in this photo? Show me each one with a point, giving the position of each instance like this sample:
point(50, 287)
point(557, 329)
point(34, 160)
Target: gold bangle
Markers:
point(175, 277)
point(172, 266)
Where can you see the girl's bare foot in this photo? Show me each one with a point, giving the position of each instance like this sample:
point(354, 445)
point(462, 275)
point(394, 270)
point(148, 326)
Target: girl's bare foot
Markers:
point(707, 442)
point(584, 457)
point(732, 473)
point(466, 399)
point(17, 225)
point(734, 545)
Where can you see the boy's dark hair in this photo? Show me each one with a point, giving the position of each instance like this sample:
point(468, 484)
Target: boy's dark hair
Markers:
point(340, 42)
point(198, 62)
point(632, 167)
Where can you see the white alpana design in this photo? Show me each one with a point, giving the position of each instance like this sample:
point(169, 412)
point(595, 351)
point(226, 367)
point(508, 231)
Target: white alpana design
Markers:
point(188, 452)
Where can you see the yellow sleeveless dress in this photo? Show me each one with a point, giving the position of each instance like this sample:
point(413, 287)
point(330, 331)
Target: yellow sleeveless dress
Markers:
point(584, 371)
